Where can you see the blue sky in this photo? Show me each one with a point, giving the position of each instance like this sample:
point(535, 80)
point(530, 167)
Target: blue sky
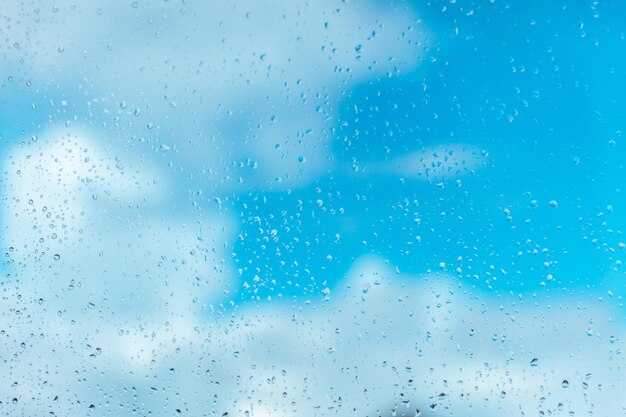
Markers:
point(329, 195)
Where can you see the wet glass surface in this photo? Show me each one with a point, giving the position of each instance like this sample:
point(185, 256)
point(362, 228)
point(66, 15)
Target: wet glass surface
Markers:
point(316, 208)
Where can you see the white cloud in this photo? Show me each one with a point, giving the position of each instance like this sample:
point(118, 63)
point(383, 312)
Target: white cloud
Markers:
point(84, 225)
point(382, 342)
point(437, 162)
point(219, 84)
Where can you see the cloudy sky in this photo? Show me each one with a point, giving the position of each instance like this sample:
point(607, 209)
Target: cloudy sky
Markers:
point(283, 208)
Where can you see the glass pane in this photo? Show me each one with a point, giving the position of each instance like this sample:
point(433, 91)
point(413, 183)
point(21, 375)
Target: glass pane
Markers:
point(315, 208)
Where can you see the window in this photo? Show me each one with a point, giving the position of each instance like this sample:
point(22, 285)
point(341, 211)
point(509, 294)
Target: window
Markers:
point(315, 208)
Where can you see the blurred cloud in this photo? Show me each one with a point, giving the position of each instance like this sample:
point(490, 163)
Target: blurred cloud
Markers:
point(437, 162)
point(380, 344)
point(84, 225)
point(238, 93)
